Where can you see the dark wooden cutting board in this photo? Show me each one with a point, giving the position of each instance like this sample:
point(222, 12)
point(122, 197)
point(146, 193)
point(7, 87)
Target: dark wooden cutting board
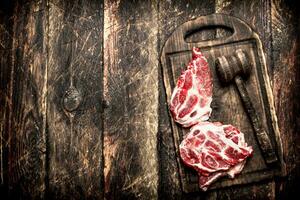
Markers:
point(227, 105)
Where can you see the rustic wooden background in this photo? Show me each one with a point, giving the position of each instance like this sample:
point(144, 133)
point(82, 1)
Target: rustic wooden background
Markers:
point(117, 143)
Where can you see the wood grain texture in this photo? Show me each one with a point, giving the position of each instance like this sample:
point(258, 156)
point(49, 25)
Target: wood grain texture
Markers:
point(75, 131)
point(53, 150)
point(286, 51)
point(25, 128)
point(6, 35)
point(131, 92)
point(257, 14)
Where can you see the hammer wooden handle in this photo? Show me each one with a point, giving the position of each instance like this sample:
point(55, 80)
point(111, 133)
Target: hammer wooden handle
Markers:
point(261, 135)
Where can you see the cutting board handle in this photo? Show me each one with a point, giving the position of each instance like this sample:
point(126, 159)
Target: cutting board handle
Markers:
point(240, 29)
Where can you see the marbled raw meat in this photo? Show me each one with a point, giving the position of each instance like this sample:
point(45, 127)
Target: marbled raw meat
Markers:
point(214, 150)
point(192, 96)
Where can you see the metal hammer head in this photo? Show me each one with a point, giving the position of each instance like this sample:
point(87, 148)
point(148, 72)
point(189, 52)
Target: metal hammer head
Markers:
point(228, 67)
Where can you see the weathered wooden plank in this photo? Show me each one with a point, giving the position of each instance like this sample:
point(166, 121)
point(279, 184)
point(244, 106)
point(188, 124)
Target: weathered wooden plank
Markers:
point(6, 35)
point(75, 99)
point(171, 15)
point(262, 190)
point(24, 82)
point(286, 77)
point(25, 102)
point(131, 93)
point(257, 14)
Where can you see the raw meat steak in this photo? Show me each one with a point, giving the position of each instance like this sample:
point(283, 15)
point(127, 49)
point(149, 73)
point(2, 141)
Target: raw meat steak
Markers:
point(191, 98)
point(214, 150)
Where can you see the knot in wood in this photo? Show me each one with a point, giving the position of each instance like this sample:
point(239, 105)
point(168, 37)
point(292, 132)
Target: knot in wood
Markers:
point(72, 99)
